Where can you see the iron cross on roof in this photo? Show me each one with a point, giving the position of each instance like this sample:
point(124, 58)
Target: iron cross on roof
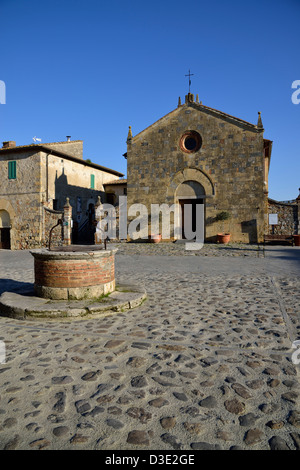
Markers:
point(189, 75)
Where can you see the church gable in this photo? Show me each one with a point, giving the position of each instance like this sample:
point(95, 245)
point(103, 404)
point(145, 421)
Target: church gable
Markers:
point(192, 133)
point(198, 112)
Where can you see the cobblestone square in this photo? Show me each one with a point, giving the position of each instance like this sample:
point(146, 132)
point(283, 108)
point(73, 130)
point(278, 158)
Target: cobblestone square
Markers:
point(204, 363)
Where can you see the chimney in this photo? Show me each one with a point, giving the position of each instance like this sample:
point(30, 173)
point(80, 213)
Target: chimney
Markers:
point(9, 144)
point(68, 138)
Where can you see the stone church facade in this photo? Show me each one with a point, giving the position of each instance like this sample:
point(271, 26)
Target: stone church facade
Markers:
point(42, 176)
point(199, 155)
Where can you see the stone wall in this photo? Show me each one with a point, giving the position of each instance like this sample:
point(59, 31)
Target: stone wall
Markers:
point(73, 147)
point(287, 217)
point(229, 165)
point(62, 178)
point(23, 195)
point(50, 220)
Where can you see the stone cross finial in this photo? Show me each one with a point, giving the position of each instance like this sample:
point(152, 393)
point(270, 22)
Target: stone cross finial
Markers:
point(190, 82)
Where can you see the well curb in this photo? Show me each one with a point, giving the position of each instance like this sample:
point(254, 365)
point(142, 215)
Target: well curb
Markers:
point(30, 307)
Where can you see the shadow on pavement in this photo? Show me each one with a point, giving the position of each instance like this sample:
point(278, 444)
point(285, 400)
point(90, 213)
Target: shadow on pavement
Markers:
point(292, 254)
point(9, 285)
point(283, 261)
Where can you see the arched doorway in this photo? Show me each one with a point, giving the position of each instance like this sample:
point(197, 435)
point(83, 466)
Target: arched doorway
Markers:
point(191, 183)
point(190, 195)
point(4, 230)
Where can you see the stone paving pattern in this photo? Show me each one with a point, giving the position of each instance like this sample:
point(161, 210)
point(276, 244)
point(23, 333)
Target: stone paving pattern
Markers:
point(204, 363)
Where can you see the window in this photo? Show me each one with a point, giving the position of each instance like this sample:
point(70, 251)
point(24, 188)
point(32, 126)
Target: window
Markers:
point(92, 181)
point(190, 142)
point(12, 170)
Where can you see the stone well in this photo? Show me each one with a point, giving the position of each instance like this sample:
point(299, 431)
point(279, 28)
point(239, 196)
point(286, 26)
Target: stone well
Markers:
point(74, 272)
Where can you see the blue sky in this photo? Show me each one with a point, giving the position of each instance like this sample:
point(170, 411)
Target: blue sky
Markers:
point(91, 68)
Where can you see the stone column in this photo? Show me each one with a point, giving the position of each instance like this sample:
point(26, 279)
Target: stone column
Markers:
point(98, 205)
point(67, 222)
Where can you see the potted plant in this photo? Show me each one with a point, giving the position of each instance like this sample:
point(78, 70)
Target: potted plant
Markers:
point(221, 217)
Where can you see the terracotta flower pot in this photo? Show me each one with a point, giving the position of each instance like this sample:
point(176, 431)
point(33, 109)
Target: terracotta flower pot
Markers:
point(155, 238)
point(223, 237)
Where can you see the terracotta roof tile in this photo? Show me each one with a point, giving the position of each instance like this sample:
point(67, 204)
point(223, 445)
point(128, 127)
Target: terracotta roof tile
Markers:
point(121, 181)
point(44, 148)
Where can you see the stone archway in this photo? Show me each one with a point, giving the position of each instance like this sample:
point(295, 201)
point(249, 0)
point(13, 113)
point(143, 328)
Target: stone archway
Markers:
point(4, 219)
point(7, 215)
point(190, 174)
point(190, 195)
point(4, 230)
point(190, 188)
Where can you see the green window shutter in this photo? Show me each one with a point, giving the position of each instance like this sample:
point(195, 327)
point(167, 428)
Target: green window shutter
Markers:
point(92, 181)
point(12, 170)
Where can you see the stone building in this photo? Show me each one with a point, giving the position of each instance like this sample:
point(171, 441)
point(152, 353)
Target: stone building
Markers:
point(199, 155)
point(114, 189)
point(41, 176)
